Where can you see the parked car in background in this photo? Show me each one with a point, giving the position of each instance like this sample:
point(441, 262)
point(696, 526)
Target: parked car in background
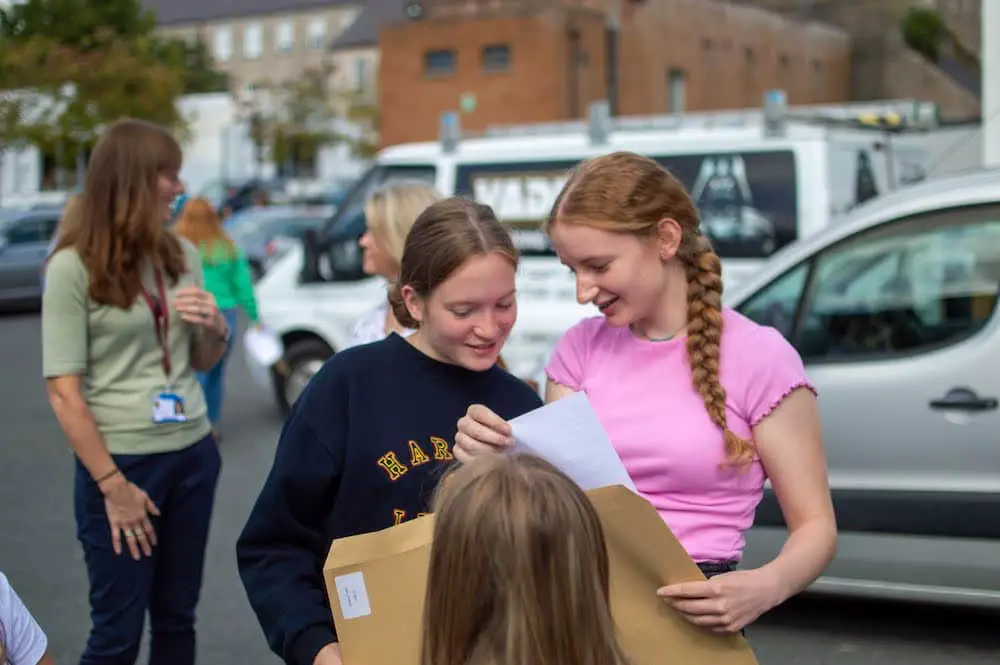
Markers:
point(24, 247)
point(894, 312)
point(266, 234)
point(237, 195)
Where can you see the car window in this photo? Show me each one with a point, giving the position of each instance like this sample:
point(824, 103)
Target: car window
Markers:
point(776, 304)
point(905, 287)
point(34, 229)
point(350, 214)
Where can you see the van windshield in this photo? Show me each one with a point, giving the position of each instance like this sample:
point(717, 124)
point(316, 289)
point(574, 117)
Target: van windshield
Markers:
point(748, 200)
point(350, 213)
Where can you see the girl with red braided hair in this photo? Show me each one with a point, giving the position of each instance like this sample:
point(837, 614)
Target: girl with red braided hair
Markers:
point(702, 404)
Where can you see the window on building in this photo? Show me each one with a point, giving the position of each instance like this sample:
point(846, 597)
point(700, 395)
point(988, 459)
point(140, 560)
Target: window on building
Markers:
point(223, 45)
point(284, 37)
point(317, 34)
point(676, 90)
point(362, 74)
point(253, 41)
point(439, 62)
point(496, 58)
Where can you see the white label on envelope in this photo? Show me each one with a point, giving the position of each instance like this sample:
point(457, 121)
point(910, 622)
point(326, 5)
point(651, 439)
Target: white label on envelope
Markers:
point(353, 595)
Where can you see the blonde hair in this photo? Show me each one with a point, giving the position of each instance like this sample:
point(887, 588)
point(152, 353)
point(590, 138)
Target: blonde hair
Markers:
point(391, 211)
point(201, 224)
point(519, 571)
point(623, 192)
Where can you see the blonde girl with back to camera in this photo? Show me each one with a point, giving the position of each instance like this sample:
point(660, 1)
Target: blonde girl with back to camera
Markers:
point(519, 571)
point(701, 403)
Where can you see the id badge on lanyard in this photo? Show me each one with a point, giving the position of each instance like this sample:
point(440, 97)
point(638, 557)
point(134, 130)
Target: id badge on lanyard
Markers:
point(168, 406)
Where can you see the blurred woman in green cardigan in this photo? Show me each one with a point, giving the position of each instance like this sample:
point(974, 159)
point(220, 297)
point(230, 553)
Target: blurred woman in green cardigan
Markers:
point(227, 277)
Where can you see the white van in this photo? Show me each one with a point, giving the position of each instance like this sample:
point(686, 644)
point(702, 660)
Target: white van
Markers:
point(759, 182)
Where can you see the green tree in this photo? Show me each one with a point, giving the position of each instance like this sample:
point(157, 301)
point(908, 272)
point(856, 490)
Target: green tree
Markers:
point(58, 94)
point(76, 23)
point(80, 24)
point(301, 118)
point(195, 62)
point(364, 113)
point(306, 112)
point(925, 32)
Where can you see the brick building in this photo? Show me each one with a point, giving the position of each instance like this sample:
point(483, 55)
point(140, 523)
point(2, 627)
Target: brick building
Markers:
point(520, 61)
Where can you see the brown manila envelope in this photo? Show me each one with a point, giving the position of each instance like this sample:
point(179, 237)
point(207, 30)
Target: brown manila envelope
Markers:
point(376, 584)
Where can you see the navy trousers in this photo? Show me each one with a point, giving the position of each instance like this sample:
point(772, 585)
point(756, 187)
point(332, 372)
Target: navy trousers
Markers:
point(167, 584)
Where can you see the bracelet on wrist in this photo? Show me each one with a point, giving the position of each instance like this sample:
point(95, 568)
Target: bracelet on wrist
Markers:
point(108, 476)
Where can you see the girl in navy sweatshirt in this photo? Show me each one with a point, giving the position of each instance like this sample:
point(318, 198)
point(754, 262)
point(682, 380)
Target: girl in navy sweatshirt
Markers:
point(367, 441)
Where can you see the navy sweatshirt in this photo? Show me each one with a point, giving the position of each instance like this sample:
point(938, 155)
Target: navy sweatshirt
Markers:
point(362, 450)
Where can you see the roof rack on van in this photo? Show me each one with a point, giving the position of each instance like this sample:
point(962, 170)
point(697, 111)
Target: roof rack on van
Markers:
point(773, 116)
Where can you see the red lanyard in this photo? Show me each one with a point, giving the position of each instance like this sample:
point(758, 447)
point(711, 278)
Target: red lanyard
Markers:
point(161, 319)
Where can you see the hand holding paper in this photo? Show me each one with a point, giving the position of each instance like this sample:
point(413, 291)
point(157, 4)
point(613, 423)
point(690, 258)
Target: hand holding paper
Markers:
point(568, 434)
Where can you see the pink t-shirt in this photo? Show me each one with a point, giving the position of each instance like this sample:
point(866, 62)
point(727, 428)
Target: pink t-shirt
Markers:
point(643, 396)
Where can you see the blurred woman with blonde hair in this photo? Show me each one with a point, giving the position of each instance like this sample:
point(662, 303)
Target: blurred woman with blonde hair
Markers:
point(519, 571)
point(227, 277)
point(390, 212)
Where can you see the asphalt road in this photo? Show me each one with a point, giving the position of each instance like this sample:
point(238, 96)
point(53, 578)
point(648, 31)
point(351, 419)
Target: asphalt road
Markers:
point(39, 551)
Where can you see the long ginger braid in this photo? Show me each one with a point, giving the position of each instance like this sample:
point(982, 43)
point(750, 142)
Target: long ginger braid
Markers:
point(704, 339)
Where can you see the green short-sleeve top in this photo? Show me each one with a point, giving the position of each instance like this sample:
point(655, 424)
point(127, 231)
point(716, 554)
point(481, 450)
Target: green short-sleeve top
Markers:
point(118, 354)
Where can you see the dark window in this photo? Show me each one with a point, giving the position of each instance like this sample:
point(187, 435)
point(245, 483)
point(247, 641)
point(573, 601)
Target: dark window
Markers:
point(496, 58)
point(748, 201)
point(909, 286)
point(439, 63)
point(348, 223)
point(32, 230)
point(776, 304)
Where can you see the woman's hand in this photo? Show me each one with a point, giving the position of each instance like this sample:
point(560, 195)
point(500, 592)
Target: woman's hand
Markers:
point(129, 508)
point(480, 432)
point(197, 307)
point(726, 603)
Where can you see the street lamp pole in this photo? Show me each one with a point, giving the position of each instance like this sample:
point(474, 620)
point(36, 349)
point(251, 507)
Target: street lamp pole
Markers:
point(990, 73)
point(612, 33)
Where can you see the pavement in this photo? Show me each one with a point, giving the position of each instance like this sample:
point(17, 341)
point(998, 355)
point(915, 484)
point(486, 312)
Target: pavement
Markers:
point(40, 554)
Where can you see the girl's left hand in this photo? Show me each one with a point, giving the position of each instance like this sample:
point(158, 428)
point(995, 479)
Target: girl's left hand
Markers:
point(726, 603)
point(197, 307)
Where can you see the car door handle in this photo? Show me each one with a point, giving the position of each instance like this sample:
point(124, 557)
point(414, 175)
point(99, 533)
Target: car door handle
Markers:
point(964, 399)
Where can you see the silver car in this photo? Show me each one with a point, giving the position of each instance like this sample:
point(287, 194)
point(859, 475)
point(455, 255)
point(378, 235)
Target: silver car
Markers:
point(894, 311)
point(24, 247)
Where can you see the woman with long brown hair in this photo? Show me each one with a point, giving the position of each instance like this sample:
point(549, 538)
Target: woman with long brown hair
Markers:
point(519, 570)
point(228, 278)
point(125, 325)
point(701, 403)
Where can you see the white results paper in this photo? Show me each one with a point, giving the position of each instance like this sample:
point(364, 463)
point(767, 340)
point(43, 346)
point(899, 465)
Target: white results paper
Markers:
point(568, 435)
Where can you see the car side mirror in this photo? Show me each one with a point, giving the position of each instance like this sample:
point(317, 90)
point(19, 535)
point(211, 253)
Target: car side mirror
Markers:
point(311, 251)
